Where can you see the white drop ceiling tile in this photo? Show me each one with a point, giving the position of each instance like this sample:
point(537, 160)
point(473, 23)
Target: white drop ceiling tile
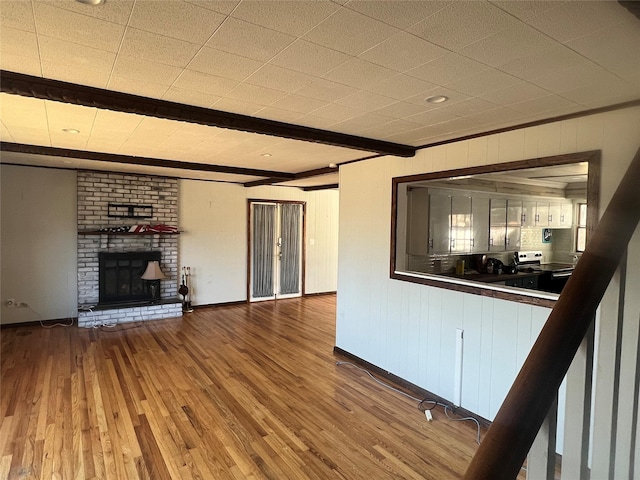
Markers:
point(66, 115)
point(31, 136)
point(223, 64)
point(278, 114)
point(18, 63)
point(176, 19)
point(431, 117)
point(574, 77)
point(359, 73)
point(116, 11)
point(255, 94)
point(118, 124)
point(326, 90)
point(447, 69)
point(573, 20)
point(136, 68)
point(483, 82)
point(598, 95)
point(508, 45)
point(201, 82)
point(541, 105)
point(61, 52)
point(462, 23)
point(365, 101)
point(623, 39)
point(5, 136)
point(157, 48)
point(388, 129)
point(403, 52)
point(278, 78)
point(220, 6)
point(524, 10)
point(291, 17)
point(78, 75)
point(137, 87)
point(307, 57)
point(18, 111)
point(501, 115)
point(337, 32)
point(17, 14)
point(360, 123)
point(401, 87)
point(190, 97)
point(18, 42)
point(337, 113)
point(515, 93)
point(452, 95)
point(401, 109)
point(399, 14)
point(243, 38)
point(73, 142)
point(237, 106)
point(544, 62)
point(179, 142)
point(80, 29)
point(469, 106)
point(298, 103)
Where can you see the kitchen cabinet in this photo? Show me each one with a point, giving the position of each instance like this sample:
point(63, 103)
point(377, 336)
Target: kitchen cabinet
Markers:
point(560, 214)
point(528, 213)
point(460, 224)
point(417, 221)
point(439, 226)
point(479, 224)
point(497, 225)
point(514, 224)
point(530, 282)
point(542, 214)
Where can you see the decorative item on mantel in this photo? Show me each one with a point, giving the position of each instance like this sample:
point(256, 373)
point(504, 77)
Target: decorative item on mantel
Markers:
point(153, 275)
point(137, 229)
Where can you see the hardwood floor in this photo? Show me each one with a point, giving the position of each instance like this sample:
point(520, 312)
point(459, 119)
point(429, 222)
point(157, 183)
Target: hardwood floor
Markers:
point(234, 392)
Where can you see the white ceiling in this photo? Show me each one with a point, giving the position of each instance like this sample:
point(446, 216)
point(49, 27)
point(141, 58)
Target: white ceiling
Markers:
point(360, 67)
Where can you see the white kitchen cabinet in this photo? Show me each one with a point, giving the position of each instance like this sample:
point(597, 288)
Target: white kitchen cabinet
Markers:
point(439, 223)
point(460, 222)
point(560, 214)
point(417, 221)
point(514, 224)
point(542, 214)
point(497, 225)
point(479, 224)
point(528, 213)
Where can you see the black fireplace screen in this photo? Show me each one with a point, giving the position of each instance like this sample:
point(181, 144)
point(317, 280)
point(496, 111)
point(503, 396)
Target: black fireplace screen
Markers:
point(120, 276)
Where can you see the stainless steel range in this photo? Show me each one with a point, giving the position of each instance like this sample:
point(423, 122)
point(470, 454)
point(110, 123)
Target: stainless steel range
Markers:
point(555, 274)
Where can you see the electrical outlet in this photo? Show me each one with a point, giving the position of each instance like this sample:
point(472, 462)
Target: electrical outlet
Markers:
point(11, 302)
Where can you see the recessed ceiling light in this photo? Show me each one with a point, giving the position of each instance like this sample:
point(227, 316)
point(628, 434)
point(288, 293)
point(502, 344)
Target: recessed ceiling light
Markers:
point(333, 165)
point(71, 130)
point(436, 99)
point(266, 154)
point(91, 2)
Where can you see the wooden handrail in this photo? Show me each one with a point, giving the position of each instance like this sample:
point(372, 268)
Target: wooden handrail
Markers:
point(514, 428)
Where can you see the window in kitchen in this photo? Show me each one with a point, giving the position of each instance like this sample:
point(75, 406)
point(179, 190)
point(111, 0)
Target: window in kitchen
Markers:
point(449, 227)
point(581, 228)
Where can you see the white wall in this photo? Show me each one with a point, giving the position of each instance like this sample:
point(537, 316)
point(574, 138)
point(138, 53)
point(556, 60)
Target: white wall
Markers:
point(38, 243)
point(213, 218)
point(409, 329)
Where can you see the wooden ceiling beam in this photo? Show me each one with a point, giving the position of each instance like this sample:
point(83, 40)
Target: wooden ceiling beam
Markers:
point(44, 88)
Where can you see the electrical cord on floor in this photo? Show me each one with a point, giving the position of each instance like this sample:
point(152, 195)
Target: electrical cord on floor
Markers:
point(70, 324)
point(421, 403)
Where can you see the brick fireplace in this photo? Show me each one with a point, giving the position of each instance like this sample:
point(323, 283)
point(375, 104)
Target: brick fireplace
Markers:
point(108, 205)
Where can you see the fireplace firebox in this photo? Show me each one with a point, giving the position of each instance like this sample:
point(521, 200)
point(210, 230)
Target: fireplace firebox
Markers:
point(119, 277)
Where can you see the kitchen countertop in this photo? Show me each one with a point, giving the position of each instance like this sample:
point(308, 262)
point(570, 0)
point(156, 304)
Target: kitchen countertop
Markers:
point(493, 277)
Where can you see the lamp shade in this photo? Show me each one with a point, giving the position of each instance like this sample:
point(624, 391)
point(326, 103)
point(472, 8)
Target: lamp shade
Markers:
point(153, 271)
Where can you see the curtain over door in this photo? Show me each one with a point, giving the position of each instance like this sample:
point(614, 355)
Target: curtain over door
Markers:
point(276, 250)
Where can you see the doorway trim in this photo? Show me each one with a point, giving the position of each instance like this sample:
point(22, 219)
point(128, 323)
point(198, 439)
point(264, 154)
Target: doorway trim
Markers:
point(303, 258)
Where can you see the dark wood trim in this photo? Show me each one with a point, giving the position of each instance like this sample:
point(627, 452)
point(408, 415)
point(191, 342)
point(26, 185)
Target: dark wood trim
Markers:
point(592, 157)
point(320, 294)
point(407, 386)
point(321, 187)
point(298, 176)
point(221, 304)
point(131, 160)
point(263, 181)
point(44, 88)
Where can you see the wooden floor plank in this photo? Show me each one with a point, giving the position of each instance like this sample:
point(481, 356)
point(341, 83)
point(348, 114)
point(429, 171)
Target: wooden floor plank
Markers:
point(231, 392)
